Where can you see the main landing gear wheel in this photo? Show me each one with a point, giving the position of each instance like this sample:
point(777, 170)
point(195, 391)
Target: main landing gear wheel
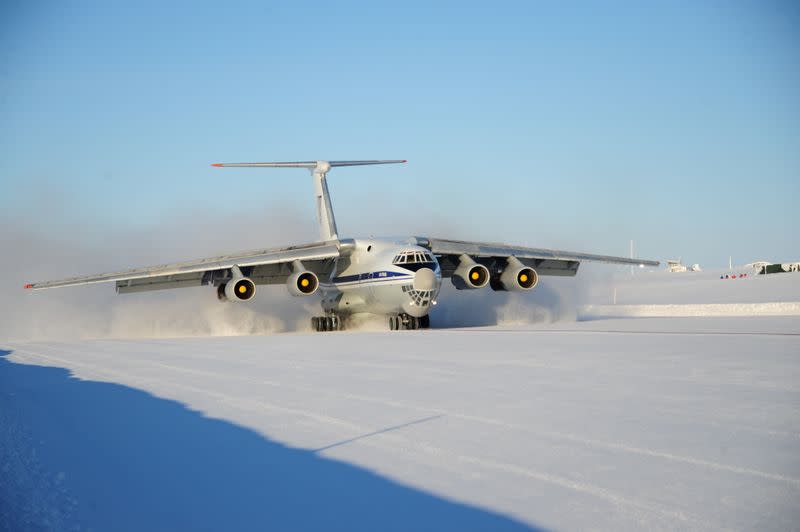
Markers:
point(326, 323)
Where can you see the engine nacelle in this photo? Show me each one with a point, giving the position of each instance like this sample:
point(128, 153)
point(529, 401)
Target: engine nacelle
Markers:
point(469, 274)
point(302, 283)
point(516, 277)
point(239, 288)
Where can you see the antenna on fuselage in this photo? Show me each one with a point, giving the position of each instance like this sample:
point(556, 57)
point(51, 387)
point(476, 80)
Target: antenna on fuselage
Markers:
point(319, 169)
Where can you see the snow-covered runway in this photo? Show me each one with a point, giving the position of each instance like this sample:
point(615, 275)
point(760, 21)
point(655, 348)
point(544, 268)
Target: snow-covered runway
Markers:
point(609, 424)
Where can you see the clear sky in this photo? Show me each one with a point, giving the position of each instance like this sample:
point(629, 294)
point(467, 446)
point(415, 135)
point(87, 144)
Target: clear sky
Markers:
point(575, 125)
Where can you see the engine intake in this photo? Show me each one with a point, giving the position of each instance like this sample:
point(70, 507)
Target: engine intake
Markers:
point(516, 277)
point(469, 274)
point(239, 288)
point(302, 282)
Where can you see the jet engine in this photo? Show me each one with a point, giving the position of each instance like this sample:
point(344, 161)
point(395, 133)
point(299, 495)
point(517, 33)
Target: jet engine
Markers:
point(239, 288)
point(516, 277)
point(469, 274)
point(302, 283)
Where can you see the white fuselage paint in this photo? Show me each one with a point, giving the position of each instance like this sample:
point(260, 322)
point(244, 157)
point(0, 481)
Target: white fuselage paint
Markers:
point(368, 281)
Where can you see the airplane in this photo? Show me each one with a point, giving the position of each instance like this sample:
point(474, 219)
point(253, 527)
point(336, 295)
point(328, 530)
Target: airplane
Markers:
point(398, 278)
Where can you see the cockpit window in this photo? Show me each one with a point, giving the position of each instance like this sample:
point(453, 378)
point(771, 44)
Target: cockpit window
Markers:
point(414, 260)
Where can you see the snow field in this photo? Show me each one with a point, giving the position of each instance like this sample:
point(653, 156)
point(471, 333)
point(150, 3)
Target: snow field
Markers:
point(610, 424)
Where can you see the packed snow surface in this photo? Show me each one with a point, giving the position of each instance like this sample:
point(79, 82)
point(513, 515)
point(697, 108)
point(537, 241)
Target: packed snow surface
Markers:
point(682, 423)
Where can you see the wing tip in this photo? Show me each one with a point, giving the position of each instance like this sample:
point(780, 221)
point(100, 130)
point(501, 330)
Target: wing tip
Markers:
point(218, 165)
point(28, 285)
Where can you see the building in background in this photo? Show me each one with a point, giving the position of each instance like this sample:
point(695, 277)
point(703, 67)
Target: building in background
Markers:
point(763, 267)
point(675, 266)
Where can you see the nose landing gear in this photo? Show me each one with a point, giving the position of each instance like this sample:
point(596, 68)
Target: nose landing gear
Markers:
point(406, 322)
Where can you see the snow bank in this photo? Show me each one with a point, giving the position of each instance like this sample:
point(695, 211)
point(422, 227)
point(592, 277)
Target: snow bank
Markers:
point(662, 288)
point(699, 310)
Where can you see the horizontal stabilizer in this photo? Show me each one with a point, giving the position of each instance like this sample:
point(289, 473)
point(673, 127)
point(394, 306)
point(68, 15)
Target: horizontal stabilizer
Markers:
point(305, 164)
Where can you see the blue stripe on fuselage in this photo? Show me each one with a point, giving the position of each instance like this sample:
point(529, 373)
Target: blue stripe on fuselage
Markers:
point(371, 276)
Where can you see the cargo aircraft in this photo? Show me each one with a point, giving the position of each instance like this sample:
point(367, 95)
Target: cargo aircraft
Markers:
point(398, 278)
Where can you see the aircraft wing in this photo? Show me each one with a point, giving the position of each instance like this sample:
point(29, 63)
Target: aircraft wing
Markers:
point(544, 261)
point(263, 266)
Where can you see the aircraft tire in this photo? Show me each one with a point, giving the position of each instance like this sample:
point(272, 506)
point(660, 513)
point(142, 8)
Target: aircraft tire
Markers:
point(425, 322)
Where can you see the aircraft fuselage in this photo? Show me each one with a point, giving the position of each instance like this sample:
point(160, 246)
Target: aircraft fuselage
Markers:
point(383, 276)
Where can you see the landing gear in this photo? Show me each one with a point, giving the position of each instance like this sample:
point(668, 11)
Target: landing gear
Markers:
point(327, 323)
point(406, 322)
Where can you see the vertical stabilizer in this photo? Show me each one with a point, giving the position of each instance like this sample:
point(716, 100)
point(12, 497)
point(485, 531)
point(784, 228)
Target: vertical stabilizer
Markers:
point(325, 218)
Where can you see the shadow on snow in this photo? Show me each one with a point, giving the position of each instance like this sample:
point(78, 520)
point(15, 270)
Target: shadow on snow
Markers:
point(110, 457)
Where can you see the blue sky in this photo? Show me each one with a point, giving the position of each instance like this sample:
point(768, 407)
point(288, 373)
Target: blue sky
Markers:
point(584, 125)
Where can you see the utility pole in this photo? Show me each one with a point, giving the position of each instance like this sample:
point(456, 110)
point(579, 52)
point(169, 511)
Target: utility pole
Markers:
point(631, 256)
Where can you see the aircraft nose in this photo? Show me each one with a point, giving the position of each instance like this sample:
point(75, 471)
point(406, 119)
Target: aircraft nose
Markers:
point(424, 279)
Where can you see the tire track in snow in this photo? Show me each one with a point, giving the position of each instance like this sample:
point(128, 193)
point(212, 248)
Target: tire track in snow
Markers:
point(590, 489)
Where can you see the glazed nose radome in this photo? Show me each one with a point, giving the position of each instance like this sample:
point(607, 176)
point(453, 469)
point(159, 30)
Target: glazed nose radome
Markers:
point(424, 279)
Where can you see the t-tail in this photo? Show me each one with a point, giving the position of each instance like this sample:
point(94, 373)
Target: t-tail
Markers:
point(319, 169)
